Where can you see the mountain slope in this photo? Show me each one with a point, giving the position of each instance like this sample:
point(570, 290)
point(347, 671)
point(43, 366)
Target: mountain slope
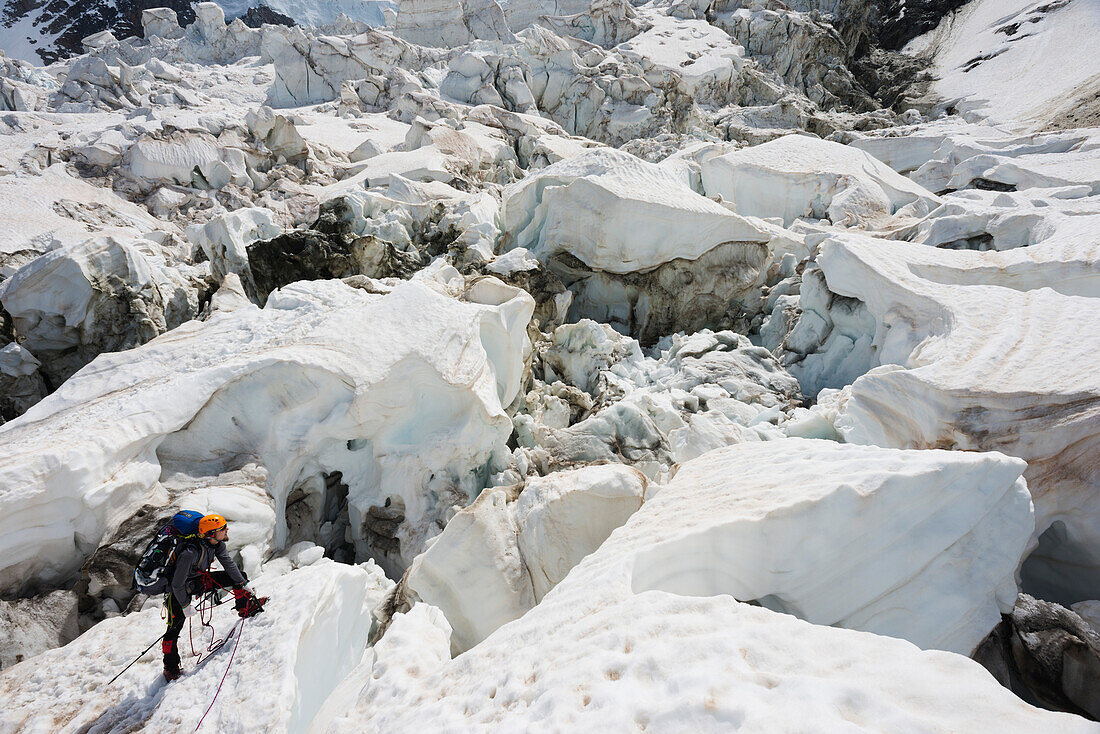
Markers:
point(38, 31)
point(44, 31)
point(1021, 61)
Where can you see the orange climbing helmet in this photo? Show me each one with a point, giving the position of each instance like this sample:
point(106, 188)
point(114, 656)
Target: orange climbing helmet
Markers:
point(210, 523)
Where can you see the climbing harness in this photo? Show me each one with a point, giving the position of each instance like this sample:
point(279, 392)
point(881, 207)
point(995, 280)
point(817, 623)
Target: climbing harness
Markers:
point(205, 612)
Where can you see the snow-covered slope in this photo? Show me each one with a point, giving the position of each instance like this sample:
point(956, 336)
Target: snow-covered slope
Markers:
point(610, 649)
point(1021, 61)
point(278, 674)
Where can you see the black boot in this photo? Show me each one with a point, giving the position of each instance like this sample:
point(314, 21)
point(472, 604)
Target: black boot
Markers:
point(171, 660)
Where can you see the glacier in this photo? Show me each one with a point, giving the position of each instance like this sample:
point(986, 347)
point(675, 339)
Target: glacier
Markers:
point(598, 366)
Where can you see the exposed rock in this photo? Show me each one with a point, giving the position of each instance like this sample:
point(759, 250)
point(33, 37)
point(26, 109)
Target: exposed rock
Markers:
point(1046, 654)
point(311, 254)
point(904, 20)
point(109, 572)
point(329, 249)
point(69, 23)
point(261, 15)
point(896, 80)
point(21, 383)
point(35, 624)
point(102, 295)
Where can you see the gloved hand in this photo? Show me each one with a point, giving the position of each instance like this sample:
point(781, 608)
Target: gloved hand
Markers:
point(248, 604)
point(188, 611)
point(251, 606)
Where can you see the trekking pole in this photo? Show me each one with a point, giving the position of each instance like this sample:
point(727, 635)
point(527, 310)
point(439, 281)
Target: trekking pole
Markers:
point(139, 657)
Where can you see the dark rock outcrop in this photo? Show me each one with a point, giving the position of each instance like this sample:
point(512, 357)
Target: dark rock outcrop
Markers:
point(873, 33)
point(1047, 655)
point(322, 252)
point(7, 328)
point(263, 15)
point(68, 22)
point(71, 21)
point(904, 20)
point(36, 624)
point(109, 571)
point(329, 249)
point(896, 80)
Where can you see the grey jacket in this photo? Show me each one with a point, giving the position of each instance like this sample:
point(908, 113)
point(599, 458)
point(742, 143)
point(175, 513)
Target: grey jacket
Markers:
point(197, 556)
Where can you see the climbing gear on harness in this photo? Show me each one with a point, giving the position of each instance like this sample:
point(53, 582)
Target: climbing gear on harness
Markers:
point(210, 523)
point(156, 562)
point(205, 609)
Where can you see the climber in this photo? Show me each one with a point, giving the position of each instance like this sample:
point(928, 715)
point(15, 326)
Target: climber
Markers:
point(192, 576)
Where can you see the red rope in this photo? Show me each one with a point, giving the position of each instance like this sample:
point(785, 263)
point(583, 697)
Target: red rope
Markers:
point(231, 656)
point(205, 610)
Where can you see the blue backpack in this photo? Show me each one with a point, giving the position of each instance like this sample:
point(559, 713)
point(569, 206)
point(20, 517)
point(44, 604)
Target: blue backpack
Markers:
point(155, 568)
